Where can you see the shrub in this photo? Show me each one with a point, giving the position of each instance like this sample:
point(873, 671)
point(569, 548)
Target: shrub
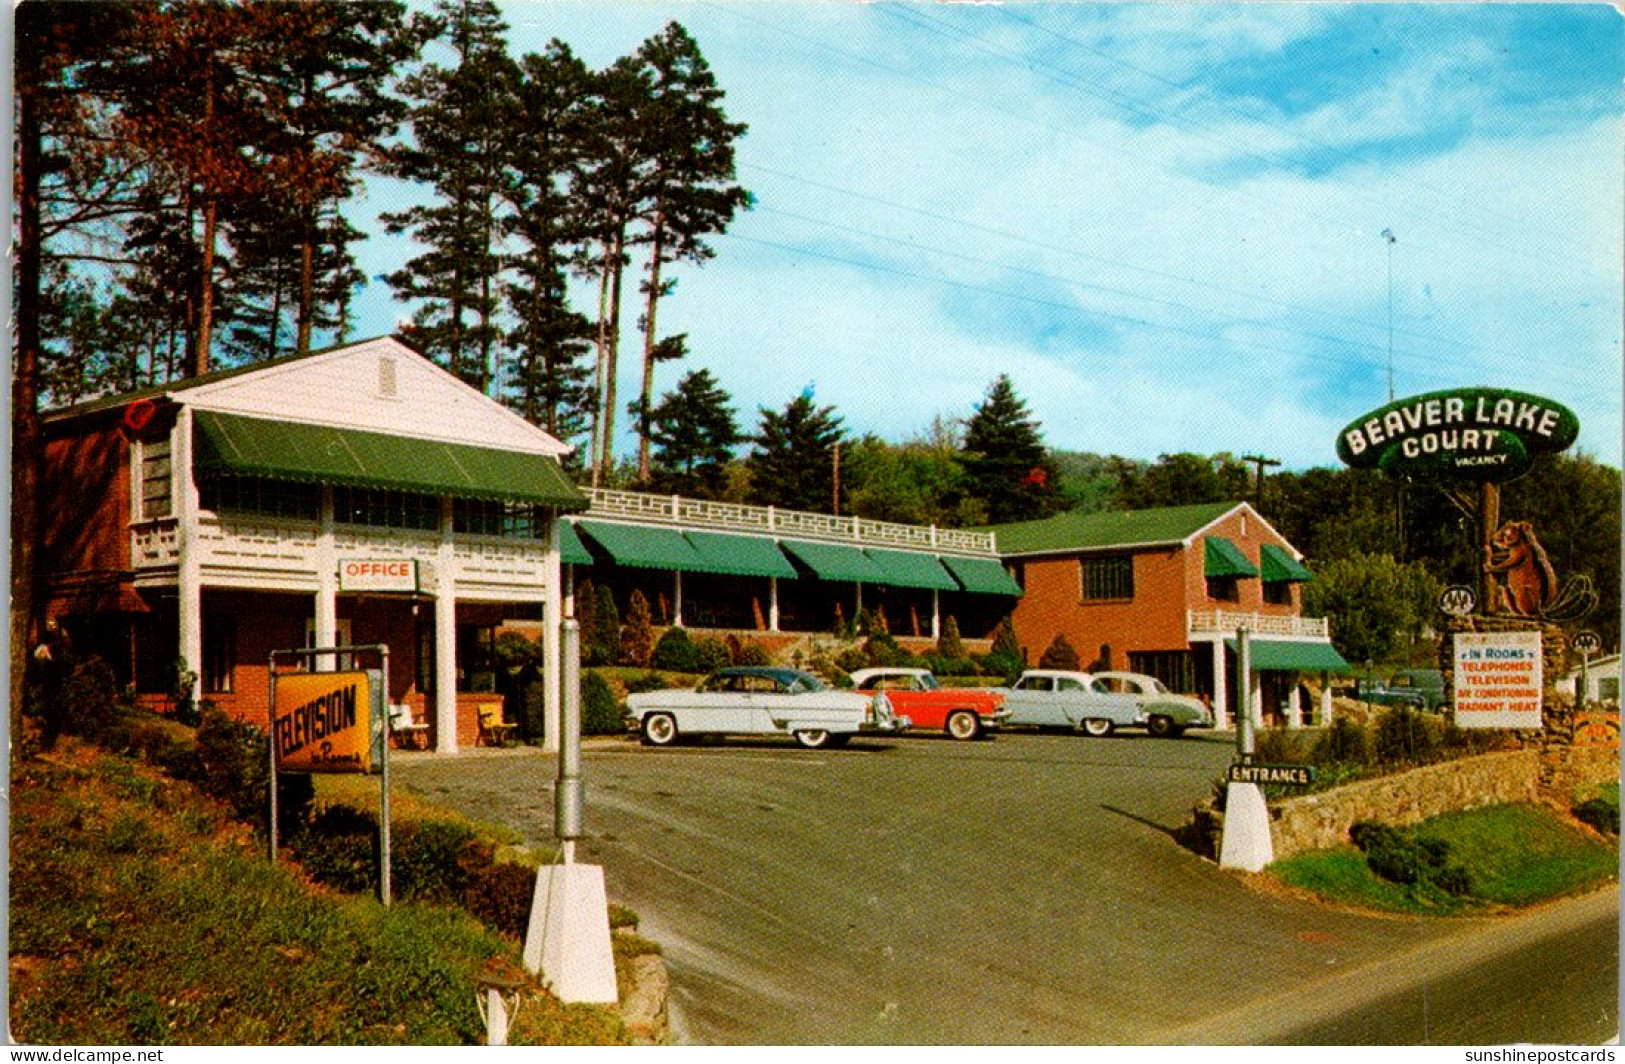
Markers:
point(1344, 743)
point(950, 646)
point(1059, 654)
point(711, 654)
point(753, 654)
point(600, 713)
point(637, 635)
point(235, 769)
point(500, 894)
point(1600, 813)
point(649, 681)
point(1406, 737)
point(430, 859)
point(606, 631)
point(88, 702)
point(676, 652)
point(1400, 855)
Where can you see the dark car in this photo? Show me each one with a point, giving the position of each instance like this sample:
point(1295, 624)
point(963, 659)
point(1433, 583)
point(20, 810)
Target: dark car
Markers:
point(1379, 692)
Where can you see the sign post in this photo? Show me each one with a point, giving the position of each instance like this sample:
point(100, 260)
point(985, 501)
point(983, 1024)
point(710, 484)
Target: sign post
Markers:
point(1246, 844)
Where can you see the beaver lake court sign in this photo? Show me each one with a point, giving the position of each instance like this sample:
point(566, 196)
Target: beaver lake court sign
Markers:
point(1485, 434)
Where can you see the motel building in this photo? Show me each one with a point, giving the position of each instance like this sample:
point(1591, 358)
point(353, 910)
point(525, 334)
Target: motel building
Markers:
point(362, 495)
point(1164, 592)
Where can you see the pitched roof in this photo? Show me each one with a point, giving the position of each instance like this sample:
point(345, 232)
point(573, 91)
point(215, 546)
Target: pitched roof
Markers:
point(1106, 530)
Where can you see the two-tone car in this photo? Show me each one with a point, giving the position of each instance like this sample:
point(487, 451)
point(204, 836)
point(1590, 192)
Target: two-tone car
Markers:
point(748, 700)
point(1061, 698)
point(961, 712)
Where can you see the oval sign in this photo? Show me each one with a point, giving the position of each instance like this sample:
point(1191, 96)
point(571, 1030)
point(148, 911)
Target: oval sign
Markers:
point(1469, 433)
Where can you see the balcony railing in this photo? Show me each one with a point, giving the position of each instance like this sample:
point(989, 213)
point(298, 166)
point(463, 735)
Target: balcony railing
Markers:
point(734, 517)
point(1226, 622)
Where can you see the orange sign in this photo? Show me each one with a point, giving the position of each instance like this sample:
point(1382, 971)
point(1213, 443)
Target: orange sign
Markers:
point(322, 721)
point(1596, 728)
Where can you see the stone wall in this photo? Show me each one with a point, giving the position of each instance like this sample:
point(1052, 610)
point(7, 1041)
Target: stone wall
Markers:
point(1321, 821)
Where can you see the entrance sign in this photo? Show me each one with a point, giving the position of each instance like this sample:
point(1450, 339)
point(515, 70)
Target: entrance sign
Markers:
point(323, 721)
point(1488, 434)
point(1256, 772)
point(1498, 679)
point(378, 574)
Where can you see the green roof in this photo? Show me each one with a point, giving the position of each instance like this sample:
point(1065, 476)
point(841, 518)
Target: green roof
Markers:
point(571, 550)
point(323, 454)
point(643, 547)
point(1274, 655)
point(981, 575)
point(1279, 567)
point(835, 561)
point(905, 568)
point(1223, 558)
point(1106, 530)
point(741, 555)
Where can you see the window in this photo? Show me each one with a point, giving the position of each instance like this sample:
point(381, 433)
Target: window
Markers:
point(1108, 578)
point(476, 658)
point(385, 508)
point(155, 467)
point(1224, 588)
point(219, 655)
point(1278, 593)
point(260, 496)
point(1173, 668)
point(485, 517)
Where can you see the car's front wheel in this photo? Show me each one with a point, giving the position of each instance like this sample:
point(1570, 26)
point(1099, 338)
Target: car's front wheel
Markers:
point(1163, 728)
point(963, 724)
point(813, 738)
point(1097, 727)
point(659, 729)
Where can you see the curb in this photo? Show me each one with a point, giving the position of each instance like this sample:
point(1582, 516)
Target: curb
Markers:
point(643, 1010)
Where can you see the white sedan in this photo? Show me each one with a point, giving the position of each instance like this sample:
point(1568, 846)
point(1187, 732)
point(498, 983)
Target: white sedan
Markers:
point(760, 701)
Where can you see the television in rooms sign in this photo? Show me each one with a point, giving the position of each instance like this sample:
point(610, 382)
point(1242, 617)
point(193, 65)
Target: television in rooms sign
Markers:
point(1498, 677)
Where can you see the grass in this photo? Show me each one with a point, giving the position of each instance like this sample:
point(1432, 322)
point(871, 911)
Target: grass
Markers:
point(1518, 855)
point(142, 915)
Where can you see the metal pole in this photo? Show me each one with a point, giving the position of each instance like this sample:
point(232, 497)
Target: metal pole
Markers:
point(270, 712)
point(1244, 704)
point(568, 795)
point(383, 802)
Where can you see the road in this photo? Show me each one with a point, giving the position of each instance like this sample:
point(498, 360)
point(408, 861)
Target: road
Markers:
point(1025, 890)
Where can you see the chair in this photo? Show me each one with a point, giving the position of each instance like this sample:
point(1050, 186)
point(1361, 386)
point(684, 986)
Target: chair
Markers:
point(404, 725)
point(493, 728)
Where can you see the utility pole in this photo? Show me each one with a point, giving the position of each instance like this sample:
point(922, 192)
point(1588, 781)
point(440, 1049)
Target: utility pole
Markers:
point(1260, 463)
point(1388, 235)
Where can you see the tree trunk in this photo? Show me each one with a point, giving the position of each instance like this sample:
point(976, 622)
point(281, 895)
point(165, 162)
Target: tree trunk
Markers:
point(614, 348)
point(647, 395)
point(26, 457)
point(599, 371)
point(307, 281)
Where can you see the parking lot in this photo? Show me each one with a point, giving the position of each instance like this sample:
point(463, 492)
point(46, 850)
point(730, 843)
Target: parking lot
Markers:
point(1021, 890)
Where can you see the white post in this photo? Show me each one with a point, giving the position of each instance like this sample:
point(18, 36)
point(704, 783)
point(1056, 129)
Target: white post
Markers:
point(936, 614)
point(677, 598)
point(773, 604)
point(1294, 710)
point(1247, 843)
point(189, 571)
point(1221, 688)
point(327, 586)
point(1325, 699)
point(445, 638)
point(553, 610)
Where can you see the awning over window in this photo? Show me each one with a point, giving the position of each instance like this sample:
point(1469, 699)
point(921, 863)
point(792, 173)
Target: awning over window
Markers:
point(1278, 567)
point(322, 454)
point(571, 550)
point(642, 547)
point(911, 569)
point(983, 576)
point(741, 555)
point(1224, 558)
point(1275, 655)
point(835, 561)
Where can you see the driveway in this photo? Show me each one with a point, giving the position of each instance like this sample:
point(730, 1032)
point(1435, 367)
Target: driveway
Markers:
point(1024, 890)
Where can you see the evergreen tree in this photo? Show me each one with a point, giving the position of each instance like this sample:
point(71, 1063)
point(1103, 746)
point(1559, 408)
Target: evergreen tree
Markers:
point(694, 433)
point(1005, 461)
point(688, 191)
point(637, 636)
point(793, 462)
point(457, 126)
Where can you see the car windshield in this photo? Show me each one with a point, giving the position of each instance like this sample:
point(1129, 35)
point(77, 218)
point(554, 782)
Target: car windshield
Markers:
point(806, 685)
point(929, 683)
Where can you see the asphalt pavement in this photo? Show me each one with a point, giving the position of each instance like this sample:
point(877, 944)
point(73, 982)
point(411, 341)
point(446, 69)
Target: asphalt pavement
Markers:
point(1024, 890)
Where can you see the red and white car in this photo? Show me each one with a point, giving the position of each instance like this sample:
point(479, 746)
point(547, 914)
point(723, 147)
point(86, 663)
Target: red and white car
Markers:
point(962, 712)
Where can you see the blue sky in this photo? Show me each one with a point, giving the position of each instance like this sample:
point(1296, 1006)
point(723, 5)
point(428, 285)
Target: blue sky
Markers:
point(1163, 221)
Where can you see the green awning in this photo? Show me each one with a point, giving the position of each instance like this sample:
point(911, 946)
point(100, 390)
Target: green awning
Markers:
point(1275, 655)
point(1279, 567)
point(741, 555)
point(904, 568)
point(643, 547)
point(982, 576)
point(1224, 558)
point(835, 561)
point(322, 454)
point(571, 550)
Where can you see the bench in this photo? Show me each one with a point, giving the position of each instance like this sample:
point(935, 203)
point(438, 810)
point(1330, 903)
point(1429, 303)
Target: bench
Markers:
point(494, 729)
point(406, 726)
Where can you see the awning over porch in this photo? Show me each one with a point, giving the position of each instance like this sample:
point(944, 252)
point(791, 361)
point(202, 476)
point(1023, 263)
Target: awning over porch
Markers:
point(741, 555)
point(1279, 655)
point(644, 547)
point(234, 445)
point(571, 550)
point(912, 569)
point(983, 576)
point(835, 561)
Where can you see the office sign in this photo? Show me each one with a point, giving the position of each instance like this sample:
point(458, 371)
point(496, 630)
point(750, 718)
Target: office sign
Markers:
point(378, 574)
point(1498, 679)
point(323, 721)
point(1468, 433)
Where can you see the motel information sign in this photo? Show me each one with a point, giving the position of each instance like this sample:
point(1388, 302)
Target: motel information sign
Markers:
point(323, 721)
point(1498, 679)
point(1473, 433)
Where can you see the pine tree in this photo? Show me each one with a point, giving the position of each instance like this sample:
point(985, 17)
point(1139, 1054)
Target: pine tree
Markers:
point(793, 462)
point(1005, 461)
point(694, 433)
point(637, 636)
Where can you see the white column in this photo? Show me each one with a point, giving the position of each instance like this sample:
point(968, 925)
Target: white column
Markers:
point(445, 638)
point(936, 613)
point(1255, 699)
point(189, 570)
point(327, 585)
point(772, 603)
point(1325, 699)
point(677, 598)
point(553, 611)
point(1221, 688)
point(1294, 710)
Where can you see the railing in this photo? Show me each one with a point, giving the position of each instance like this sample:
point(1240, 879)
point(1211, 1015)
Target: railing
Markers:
point(1226, 622)
point(733, 517)
point(155, 544)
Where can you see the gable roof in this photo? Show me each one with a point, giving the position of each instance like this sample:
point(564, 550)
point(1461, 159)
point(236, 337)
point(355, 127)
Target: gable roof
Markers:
point(1163, 526)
